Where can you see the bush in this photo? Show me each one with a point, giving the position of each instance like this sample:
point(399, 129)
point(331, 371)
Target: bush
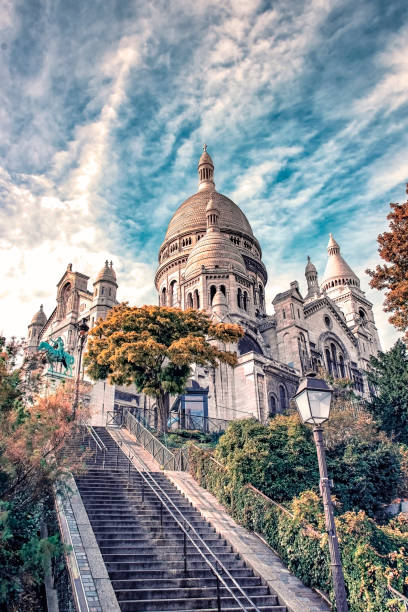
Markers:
point(371, 554)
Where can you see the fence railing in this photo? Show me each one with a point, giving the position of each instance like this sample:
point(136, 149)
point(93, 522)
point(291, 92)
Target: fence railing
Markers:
point(175, 459)
point(177, 420)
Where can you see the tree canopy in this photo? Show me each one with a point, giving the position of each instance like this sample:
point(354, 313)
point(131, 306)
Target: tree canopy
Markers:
point(393, 276)
point(154, 348)
point(389, 376)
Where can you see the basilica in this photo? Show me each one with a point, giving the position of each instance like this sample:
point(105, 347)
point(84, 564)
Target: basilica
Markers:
point(211, 260)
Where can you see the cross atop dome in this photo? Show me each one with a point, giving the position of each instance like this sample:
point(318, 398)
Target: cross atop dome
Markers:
point(205, 148)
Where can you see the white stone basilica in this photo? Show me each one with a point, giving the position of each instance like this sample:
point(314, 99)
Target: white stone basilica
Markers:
point(210, 259)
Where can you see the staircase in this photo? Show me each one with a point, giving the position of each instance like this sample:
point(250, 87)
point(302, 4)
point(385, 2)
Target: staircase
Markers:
point(143, 545)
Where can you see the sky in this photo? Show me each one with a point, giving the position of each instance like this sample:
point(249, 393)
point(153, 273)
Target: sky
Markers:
point(105, 106)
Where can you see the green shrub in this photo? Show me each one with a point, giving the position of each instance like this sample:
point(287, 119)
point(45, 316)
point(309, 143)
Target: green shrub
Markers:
point(371, 554)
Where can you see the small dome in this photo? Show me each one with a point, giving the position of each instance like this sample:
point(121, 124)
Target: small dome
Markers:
point(219, 299)
point(337, 272)
point(309, 266)
point(40, 317)
point(214, 250)
point(107, 273)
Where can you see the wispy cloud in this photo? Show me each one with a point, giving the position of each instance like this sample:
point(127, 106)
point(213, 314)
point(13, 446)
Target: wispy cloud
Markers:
point(104, 108)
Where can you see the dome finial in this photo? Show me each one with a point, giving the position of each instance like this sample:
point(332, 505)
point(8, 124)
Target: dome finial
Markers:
point(205, 171)
point(333, 247)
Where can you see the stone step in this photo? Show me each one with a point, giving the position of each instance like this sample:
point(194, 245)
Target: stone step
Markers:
point(143, 548)
point(259, 592)
point(188, 582)
point(195, 604)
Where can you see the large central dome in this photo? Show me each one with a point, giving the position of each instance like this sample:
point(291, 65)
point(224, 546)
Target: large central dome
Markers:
point(189, 224)
point(191, 216)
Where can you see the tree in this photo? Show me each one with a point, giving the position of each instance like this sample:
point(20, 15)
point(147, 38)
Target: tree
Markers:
point(154, 348)
point(34, 431)
point(394, 277)
point(389, 376)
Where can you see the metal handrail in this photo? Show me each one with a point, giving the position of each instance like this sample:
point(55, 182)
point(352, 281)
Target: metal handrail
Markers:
point(97, 438)
point(186, 534)
point(99, 445)
point(168, 459)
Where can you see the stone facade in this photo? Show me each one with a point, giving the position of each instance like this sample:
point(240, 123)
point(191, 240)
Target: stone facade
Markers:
point(74, 302)
point(210, 259)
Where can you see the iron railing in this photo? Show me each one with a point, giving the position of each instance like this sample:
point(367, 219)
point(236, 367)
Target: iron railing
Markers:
point(93, 441)
point(169, 460)
point(167, 504)
point(177, 420)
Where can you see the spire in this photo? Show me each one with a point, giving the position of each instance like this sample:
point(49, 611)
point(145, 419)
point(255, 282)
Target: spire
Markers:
point(333, 248)
point(311, 279)
point(205, 171)
point(213, 216)
point(338, 273)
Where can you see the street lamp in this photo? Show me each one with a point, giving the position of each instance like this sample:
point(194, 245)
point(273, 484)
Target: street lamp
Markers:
point(313, 399)
point(83, 330)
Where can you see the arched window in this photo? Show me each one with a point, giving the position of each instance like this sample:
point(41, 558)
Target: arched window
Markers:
point(110, 291)
point(239, 297)
point(261, 296)
point(102, 290)
point(223, 289)
point(282, 398)
point(329, 361)
point(302, 347)
point(341, 365)
point(65, 295)
point(283, 313)
point(213, 291)
point(334, 359)
point(173, 293)
point(272, 405)
point(196, 300)
point(245, 300)
point(164, 297)
point(190, 301)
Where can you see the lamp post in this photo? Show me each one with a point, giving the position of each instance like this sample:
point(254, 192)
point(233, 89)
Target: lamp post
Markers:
point(83, 330)
point(313, 399)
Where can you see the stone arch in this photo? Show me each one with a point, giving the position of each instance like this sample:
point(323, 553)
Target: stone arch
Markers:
point(196, 299)
point(213, 291)
point(173, 298)
point(163, 298)
point(283, 398)
point(272, 405)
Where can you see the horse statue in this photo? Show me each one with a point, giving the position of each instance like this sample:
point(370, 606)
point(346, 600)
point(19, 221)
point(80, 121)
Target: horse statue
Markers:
point(55, 352)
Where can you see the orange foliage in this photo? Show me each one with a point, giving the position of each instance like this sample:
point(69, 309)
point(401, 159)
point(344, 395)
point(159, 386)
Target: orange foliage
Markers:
point(394, 277)
point(33, 442)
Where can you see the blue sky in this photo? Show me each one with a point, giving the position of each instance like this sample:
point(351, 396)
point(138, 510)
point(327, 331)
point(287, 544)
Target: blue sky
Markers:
point(105, 106)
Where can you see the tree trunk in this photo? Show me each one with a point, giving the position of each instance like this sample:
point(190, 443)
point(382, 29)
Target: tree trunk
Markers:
point(163, 404)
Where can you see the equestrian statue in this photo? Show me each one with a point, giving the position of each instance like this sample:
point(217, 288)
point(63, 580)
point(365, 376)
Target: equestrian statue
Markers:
point(55, 352)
